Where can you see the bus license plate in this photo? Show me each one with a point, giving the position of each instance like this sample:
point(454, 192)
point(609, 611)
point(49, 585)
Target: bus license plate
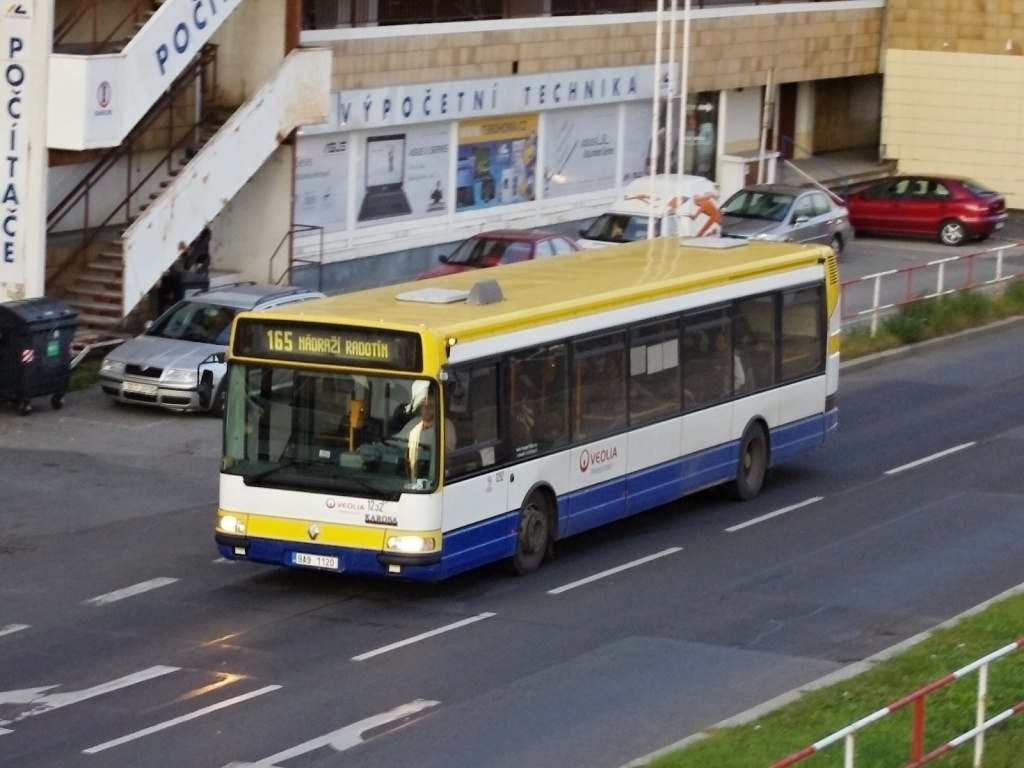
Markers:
point(315, 561)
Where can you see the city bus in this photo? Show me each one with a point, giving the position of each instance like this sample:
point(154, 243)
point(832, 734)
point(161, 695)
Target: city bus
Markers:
point(420, 430)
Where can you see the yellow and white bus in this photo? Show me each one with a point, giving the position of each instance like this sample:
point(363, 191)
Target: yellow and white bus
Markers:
point(566, 393)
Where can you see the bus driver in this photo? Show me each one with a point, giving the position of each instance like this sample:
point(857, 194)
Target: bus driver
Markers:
point(421, 435)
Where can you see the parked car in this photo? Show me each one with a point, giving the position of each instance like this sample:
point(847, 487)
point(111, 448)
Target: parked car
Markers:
point(178, 361)
point(953, 208)
point(785, 212)
point(686, 206)
point(502, 246)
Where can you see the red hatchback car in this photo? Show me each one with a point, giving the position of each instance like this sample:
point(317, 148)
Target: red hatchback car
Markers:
point(953, 208)
point(503, 246)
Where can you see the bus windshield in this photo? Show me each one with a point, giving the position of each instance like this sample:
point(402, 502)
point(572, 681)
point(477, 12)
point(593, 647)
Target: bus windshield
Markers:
point(331, 431)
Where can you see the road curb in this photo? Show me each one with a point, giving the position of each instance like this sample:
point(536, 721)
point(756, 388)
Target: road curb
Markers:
point(881, 357)
point(850, 670)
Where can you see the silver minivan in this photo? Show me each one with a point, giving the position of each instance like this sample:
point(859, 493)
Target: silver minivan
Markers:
point(178, 362)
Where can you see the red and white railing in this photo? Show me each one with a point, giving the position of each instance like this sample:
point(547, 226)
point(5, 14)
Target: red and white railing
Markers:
point(919, 700)
point(873, 297)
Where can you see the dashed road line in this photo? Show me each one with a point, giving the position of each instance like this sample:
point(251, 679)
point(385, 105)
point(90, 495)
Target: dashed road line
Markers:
point(178, 720)
point(933, 457)
point(424, 636)
point(613, 571)
point(132, 591)
point(770, 515)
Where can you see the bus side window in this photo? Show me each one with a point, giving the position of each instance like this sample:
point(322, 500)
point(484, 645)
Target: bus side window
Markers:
point(802, 342)
point(473, 412)
point(599, 386)
point(754, 330)
point(654, 372)
point(708, 374)
point(538, 402)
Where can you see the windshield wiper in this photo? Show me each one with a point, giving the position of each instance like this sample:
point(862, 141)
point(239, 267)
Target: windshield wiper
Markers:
point(256, 478)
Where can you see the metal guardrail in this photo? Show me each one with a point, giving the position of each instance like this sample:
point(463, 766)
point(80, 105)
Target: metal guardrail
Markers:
point(919, 700)
point(872, 298)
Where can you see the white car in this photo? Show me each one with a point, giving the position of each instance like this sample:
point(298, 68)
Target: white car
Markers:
point(178, 361)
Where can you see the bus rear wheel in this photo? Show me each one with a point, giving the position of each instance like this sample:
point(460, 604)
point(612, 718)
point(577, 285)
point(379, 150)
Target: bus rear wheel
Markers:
point(534, 535)
point(753, 463)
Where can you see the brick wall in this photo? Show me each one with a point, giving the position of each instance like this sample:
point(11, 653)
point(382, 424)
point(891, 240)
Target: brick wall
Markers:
point(724, 52)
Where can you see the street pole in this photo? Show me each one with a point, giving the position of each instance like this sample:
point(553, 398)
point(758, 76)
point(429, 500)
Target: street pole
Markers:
point(659, 20)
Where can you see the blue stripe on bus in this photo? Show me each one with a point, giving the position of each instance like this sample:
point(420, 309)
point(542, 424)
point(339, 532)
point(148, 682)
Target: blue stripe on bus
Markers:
point(495, 539)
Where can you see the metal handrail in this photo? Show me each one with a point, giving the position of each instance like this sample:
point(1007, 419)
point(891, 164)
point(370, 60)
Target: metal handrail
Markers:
point(202, 69)
point(289, 237)
point(918, 699)
point(787, 141)
point(988, 268)
point(70, 22)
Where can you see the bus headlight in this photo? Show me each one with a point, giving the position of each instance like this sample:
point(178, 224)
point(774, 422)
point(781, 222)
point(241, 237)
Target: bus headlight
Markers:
point(231, 524)
point(411, 543)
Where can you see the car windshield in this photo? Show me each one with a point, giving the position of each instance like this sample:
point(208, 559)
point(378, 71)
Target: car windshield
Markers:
point(758, 204)
point(195, 321)
point(480, 252)
point(619, 228)
point(331, 432)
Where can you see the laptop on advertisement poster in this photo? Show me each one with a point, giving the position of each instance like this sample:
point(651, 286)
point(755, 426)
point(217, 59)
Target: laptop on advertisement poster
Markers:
point(385, 175)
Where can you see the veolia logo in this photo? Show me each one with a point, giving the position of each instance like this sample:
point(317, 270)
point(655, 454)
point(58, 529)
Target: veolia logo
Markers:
point(597, 458)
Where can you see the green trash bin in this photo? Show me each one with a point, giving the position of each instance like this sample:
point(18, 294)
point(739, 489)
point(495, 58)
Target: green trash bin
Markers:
point(35, 350)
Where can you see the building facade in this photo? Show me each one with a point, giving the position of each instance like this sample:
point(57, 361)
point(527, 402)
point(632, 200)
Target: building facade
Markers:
point(355, 155)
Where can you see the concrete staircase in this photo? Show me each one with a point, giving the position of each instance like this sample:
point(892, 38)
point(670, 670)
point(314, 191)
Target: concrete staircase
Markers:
point(97, 293)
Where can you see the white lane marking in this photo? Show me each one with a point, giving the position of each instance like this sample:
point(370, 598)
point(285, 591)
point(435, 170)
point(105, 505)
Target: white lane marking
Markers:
point(178, 720)
point(933, 457)
point(424, 636)
point(135, 589)
point(612, 571)
point(776, 513)
point(50, 701)
point(10, 629)
point(343, 738)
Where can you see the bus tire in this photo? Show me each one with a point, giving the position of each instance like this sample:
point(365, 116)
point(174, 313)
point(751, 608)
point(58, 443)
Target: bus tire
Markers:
point(753, 463)
point(533, 538)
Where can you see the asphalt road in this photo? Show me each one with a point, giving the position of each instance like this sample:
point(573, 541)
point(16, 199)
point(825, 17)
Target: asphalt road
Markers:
point(125, 640)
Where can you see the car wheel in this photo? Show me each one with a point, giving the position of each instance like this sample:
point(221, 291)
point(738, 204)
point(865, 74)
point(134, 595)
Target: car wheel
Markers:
point(217, 406)
point(952, 232)
point(836, 244)
point(534, 535)
point(753, 464)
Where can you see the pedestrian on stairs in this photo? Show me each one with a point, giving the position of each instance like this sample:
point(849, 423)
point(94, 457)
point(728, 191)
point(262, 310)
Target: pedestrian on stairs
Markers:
point(199, 253)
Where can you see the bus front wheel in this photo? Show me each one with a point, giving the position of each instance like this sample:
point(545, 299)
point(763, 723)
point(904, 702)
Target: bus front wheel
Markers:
point(753, 463)
point(534, 536)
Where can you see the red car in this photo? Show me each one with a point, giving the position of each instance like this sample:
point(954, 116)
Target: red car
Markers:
point(503, 246)
point(953, 208)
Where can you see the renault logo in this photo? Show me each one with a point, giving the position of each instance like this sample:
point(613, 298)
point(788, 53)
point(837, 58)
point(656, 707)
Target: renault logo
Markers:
point(314, 531)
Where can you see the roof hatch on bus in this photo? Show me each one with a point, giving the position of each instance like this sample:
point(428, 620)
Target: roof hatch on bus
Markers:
point(482, 292)
point(714, 243)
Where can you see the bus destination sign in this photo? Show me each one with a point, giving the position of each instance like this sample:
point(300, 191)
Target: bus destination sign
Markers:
point(327, 344)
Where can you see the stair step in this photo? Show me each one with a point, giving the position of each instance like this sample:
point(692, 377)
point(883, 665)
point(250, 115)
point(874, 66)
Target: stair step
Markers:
point(88, 322)
point(90, 292)
point(96, 308)
point(101, 266)
point(100, 282)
